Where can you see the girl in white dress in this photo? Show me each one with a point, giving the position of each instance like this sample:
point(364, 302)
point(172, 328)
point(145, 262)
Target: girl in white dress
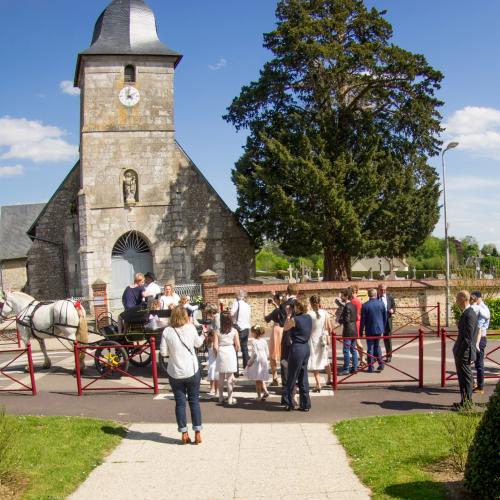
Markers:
point(226, 346)
point(258, 365)
point(318, 360)
point(213, 374)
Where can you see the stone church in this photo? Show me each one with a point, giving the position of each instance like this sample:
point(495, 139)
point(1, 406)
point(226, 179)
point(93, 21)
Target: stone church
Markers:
point(134, 201)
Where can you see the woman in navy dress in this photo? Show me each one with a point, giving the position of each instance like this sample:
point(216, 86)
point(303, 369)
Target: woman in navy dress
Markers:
point(300, 328)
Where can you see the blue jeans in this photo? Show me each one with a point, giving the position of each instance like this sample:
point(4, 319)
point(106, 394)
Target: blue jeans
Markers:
point(350, 349)
point(183, 390)
point(374, 353)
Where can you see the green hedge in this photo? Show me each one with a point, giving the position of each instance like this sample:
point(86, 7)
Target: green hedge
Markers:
point(482, 470)
point(494, 306)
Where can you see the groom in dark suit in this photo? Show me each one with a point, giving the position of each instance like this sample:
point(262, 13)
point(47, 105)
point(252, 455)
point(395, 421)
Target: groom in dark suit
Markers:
point(373, 320)
point(464, 349)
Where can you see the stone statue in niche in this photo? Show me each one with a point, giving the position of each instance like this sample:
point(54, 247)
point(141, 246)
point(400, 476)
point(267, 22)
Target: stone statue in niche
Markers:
point(130, 187)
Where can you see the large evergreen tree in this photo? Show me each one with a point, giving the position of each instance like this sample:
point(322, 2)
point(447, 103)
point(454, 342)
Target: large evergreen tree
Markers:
point(341, 123)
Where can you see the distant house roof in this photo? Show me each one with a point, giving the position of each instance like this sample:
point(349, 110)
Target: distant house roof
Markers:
point(15, 220)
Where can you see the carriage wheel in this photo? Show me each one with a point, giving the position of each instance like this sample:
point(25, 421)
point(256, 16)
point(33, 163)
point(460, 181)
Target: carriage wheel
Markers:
point(109, 356)
point(142, 359)
point(163, 363)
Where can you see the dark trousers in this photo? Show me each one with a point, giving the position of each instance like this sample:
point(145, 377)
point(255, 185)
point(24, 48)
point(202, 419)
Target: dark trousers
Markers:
point(191, 391)
point(464, 374)
point(374, 352)
point(388, 342)
point(243, 335)
point(297, 374)
point(479, 363)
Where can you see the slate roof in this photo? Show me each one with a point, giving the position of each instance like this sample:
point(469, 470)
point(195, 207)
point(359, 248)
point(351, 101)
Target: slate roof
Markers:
point(126, 27)
point(15, 220)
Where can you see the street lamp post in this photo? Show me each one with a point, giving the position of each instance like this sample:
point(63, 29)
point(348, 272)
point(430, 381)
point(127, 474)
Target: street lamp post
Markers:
point(451, 145)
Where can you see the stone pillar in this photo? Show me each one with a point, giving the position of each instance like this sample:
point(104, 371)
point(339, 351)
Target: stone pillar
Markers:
point(100, 303)
point(210, 287)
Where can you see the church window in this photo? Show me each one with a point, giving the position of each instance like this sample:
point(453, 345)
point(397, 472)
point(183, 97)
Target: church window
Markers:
point(129, 74)
point(130, 241)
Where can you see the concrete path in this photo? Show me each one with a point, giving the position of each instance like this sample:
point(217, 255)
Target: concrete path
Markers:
point(243, 461)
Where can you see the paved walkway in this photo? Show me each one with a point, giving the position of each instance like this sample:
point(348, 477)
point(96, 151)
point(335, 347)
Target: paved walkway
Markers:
point(240, 461)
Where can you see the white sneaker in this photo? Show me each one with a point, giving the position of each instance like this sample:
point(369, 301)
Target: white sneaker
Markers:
point(231, 402)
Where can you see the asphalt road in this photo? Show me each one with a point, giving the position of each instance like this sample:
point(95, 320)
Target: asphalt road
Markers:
point(57, 392)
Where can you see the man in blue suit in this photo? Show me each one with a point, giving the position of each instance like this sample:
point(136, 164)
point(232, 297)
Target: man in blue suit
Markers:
point(373, 321)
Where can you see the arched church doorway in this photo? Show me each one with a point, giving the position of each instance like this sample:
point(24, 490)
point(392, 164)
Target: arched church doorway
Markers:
point(130, 255)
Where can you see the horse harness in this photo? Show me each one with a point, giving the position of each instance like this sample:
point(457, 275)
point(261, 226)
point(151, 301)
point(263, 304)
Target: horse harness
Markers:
point(26, 320)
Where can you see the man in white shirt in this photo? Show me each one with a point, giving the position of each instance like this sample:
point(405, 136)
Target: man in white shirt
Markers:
point(483, 322)
point(151, 288)
point(241, 315)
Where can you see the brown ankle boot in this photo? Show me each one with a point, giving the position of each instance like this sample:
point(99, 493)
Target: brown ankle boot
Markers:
point(197, 437)
point(185, 438)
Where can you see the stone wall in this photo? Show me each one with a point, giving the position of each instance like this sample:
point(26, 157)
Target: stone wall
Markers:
point(56, 245)
point(185, 223)
point(416, 301)
point(14, 275)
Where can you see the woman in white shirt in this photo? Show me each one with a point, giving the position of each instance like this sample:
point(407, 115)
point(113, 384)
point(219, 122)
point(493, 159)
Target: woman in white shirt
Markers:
point(169, 299)
point(179, 341)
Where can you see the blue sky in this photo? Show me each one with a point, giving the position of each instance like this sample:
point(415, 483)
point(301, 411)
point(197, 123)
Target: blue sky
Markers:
point(221, 41)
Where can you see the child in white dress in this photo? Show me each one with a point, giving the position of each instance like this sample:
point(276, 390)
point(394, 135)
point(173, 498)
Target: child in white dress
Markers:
point(258, 365)
point(213, 374)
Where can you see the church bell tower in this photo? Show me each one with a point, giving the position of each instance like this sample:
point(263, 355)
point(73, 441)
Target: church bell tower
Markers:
point(127, 145)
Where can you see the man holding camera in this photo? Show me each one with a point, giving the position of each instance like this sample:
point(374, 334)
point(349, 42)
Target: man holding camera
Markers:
point(241, 314)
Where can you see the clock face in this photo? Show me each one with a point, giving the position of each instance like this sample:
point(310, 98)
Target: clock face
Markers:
point(129, 96)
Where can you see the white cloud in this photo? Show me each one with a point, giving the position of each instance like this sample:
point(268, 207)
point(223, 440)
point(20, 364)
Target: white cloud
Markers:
point(67, 87)
point(219, 65)
point(32, 140)
point(477, 130)
point(11, 171)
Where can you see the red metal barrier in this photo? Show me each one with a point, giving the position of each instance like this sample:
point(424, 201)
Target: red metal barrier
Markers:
point(419, 318)
point(445, 335)
point(24, 387)
point(114, 369)
point(336, 380)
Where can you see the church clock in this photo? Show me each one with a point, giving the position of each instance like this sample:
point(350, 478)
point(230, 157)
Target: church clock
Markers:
point(129, 96)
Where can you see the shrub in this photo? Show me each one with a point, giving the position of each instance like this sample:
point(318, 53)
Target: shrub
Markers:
point(494, 305)
point(482, 470)
point(460, 428)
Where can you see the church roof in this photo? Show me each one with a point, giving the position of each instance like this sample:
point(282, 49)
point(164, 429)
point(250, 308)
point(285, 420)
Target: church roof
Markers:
point(127, 27)
point(15, 220)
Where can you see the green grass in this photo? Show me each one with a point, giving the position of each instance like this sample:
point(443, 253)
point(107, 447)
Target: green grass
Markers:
point(392, 455)
point(53, 455)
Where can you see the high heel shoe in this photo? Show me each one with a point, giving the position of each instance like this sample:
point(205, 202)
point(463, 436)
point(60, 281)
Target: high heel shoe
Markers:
point(197, 437)
point(185, 438)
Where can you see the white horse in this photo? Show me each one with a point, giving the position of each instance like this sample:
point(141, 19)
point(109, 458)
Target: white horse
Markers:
point(64, 319)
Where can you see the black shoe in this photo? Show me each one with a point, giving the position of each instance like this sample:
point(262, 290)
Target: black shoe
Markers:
point(304, 409)
point(289, 408)
point(380, 368)
point(389, 359)
point(237, 375)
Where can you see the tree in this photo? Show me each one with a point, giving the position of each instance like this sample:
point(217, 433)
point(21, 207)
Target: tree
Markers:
point(470, 247)
point(340, 126)
point(489, 249)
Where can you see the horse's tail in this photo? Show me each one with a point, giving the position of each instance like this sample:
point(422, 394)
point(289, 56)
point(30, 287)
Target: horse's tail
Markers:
point(82, 332)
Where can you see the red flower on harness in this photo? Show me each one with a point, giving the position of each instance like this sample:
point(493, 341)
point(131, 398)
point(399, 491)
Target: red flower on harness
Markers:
point(78, 305)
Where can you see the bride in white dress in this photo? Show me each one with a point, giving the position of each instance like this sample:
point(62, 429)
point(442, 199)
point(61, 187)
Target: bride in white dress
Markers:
point(319, 341)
